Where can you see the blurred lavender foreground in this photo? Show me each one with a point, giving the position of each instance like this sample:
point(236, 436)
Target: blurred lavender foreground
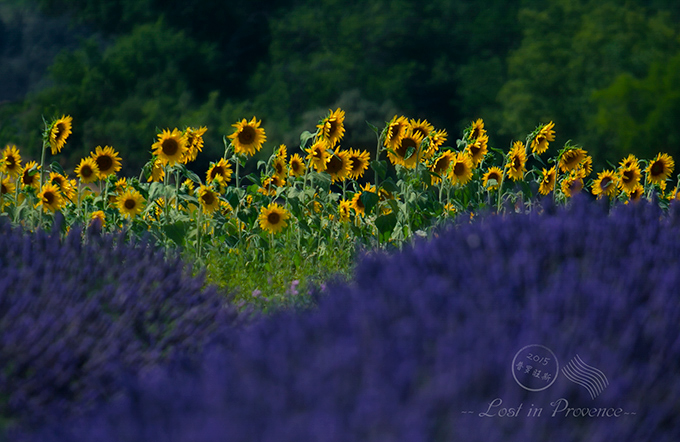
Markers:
point(77, 318)
point(425, 345)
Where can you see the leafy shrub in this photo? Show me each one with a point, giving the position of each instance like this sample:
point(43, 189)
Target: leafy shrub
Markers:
point(420, 345)
point(76, 316)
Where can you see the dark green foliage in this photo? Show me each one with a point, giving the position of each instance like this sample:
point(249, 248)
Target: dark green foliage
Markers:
point(151, 64)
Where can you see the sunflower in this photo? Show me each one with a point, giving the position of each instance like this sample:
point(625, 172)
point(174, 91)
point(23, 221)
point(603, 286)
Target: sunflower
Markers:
point(50, 198)
point(297, 165)
point(170, 147)
point(332, 128)
point(606, 184)
point(540, 143)
point(408, 151)
point(339, 165)
point(586, 166)
point(572, 184)
point(194, 143)
point(7, 187)
point(440, 166)
point(282, 152)
point(318, 155)
point(659, 169)
point(273, 218)
point(280, 166)
point(65, 185)
point(636, 193)
point(517, 160)
point(423, 128)
point(270, 184)
point(188, 187)
point(130, 203)
point(438, 138)
point(461, 169)
point(88, 170)
point(248, 137)
point(30, 175)
point(478, 149)
point(98, 216)
point(208, 199)
point(396, 129)
point(571, 159)
point(547, 182)
point(629, 177)
point(356, 202)
point(344, 209)
point(107, 160)
point(157, 171)
point(359, 159)
point(59, 132)
point(493, 178)
point(629, 161)
point(476, 129)
point(220, 171)
point(11, 161)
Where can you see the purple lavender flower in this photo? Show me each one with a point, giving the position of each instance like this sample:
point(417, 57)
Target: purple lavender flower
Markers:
point(422, 345)
point(77, 317)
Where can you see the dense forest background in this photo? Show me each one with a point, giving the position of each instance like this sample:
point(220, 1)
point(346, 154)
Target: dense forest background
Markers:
point(606, 72)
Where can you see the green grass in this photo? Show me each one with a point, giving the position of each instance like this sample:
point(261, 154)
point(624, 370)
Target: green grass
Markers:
point(277, 277)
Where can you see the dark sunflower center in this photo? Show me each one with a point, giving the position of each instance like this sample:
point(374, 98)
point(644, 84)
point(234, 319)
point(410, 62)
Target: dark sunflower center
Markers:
point(10, 162)
point(628, 176)
point(104, 162)
point(48, 198)
point(170, 147)
point(26, 179)
point(657, 168)
point(247, 135)
point(441, 166)
point(334, 166)
point(459, 169)
point(404, 146)
point(130, 204)
point(475, 148)
point(217, 171)
point(295, 166)
point(359, 203)
point(86, 171)
point(3, 189)
point(570, 159)
point(495, 176)
point(278, 167)
point(332, 128)
point(60, 130)
point(606, 181)
point(273, 218)
point(208, 198)
point(516, 163)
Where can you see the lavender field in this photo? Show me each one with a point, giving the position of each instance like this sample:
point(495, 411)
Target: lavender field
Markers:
point(421, 345)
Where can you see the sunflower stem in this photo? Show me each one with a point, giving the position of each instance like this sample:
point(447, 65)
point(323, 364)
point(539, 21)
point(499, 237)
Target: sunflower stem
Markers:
point(199, 233)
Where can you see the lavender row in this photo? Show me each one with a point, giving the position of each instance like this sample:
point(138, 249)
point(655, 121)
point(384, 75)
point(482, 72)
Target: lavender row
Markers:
point(77, 316)
point(426, 345)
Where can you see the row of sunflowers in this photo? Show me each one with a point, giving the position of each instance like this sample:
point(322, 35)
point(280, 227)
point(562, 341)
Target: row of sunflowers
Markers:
point(412, 182)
